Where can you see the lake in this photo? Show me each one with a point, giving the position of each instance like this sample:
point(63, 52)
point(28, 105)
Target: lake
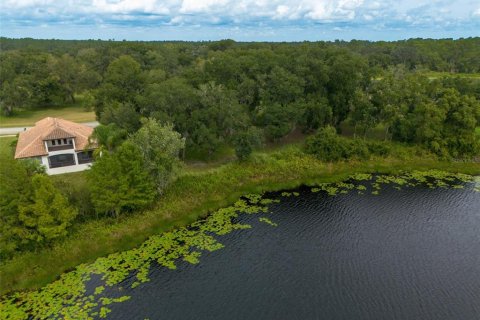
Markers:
point(403, 254)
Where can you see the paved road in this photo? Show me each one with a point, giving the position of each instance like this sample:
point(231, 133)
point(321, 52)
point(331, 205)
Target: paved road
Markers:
point(15, 130)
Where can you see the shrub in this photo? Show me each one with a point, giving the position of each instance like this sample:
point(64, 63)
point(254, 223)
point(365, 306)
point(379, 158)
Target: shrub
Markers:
point(328, 146)
point(244, 142)
point(378, 148)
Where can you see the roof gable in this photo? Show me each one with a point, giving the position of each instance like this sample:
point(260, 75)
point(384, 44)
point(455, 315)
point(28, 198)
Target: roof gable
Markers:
point(58, 133)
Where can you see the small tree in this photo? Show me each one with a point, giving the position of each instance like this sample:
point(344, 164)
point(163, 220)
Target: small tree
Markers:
point(159, 146)
point(49, 214)
point(119, 181)
point(245, 141)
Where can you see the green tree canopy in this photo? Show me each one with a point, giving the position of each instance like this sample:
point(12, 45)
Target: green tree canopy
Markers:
point(159, 146)
point(118, 182)
point(15, 192)
point(49, 215)
point(32, 211)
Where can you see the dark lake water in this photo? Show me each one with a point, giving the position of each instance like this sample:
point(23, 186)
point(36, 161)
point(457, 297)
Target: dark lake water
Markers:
point(409, 254)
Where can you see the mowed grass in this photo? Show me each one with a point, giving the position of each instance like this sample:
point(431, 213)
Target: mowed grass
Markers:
point(26, 118)
point(5, 146)
point(192, 196)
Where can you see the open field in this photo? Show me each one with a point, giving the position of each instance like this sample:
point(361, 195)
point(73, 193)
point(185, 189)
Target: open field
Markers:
point(192, 196)
point(29, 117)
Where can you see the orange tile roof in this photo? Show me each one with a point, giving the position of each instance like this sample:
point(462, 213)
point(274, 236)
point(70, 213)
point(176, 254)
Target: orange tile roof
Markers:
point(31, 142)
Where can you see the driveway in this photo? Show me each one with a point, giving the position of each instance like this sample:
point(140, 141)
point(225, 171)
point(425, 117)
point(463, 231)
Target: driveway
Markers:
point(14, 130)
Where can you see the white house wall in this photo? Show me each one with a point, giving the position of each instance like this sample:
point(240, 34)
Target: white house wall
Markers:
point(68, 169)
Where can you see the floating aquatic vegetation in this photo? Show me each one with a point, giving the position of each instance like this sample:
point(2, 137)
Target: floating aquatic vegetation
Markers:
point(331, 188)
point(67, 297)
point(432, 179)
point(290, 194)
point(268, 221)
point(361, 177)
point(477, 184)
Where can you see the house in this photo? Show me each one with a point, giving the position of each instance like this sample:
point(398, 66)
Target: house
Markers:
point(61, 146)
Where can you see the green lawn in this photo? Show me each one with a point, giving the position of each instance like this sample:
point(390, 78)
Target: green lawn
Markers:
point(5, 147)
point(29, 117)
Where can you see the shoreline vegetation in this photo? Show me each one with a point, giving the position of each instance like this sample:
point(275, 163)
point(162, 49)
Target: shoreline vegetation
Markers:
point(197, 193)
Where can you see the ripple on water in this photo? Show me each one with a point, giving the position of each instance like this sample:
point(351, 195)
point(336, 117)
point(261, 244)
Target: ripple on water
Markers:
point(408, 254)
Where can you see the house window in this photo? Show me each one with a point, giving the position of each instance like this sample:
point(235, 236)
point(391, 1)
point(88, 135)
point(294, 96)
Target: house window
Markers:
point(61, 160)
point(53, 142)
point(85, 157)
point(64, 141)
point(59, 141)
point(70, 141)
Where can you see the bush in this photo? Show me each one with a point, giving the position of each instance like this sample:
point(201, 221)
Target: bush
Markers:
point(328, 146)
point(244, 142)
point(74, 186)
point(378, 148)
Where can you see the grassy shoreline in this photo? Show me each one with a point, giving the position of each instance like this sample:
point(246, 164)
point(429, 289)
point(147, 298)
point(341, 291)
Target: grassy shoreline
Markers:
point(194, 195)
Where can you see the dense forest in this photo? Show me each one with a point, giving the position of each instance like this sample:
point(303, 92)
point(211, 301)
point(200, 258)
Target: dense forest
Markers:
point(223, 92)
point(158, 101)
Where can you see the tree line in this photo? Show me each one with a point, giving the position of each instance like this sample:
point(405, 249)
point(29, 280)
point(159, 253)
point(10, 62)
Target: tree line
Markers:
point(239, 94)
